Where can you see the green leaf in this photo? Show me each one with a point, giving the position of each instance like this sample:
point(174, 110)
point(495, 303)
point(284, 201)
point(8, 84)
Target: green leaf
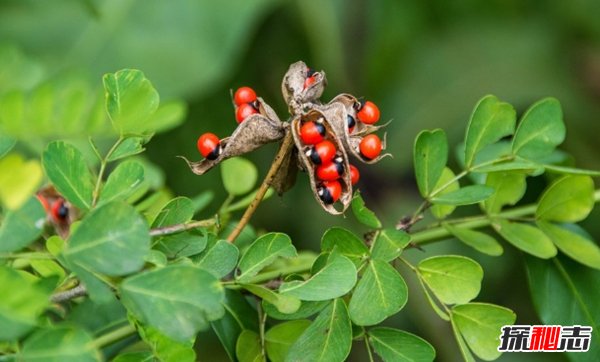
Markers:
point(541, 129)
point(307, 309)
point(344, 242)
point(130, 100)
point(182, 244)
point(178, 300)
point(112, 239)
point(513, 165)
point(65, 344)
point(565, 293)
point(527, 238)
point(239, 315)
point(491, 120)
point(284, 303)
point(509, 188)
point(129, 147)
point(98, 290)
point(441, 211)
point(22, 226)
point(177, 211)
point(576, 246)
point(465, 196)
point(247, 348)
point(380, 293)
point(430, 157)
point(281, 337)
point(219, 258)
point(570, 170)
point(47, 268)
point(6, 144)
point(394, 345)
point(68, 172)
point(453, 279)
point(143, 356)
point(479, 324)
point(239, 175)
point(122, 182)
point(165, 348)
point(263, 252)
point(21, 303)
point(363, 214)
point(168, 115)
point(328, 338)
point(388, 244)
point(568, 199)
point(477, 240)
point(19, 179)
point(335, 279)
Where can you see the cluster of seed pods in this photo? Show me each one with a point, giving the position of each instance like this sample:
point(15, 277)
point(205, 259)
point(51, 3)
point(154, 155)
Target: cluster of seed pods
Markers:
point(324, 135)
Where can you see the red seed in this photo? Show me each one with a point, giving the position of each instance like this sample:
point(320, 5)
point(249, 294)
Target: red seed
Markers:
point(369, 113)
point(244, 111)
point(370, 146)
point(244, 95)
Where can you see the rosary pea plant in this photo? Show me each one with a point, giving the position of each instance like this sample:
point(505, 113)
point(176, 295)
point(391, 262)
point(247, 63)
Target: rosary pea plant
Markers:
point(100, 263)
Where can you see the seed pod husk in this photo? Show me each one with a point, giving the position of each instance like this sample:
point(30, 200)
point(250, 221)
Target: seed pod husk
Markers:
point(254, 132)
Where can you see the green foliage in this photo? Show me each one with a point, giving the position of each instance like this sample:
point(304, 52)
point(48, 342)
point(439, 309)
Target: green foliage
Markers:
point(396, 345)
point(430, 157)
point(146, 266)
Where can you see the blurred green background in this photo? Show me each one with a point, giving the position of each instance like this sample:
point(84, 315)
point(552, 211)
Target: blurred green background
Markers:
point(425, 63)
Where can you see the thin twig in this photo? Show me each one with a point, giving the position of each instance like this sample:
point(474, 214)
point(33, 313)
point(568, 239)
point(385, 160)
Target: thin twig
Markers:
point(172, 229)
point(78, 291)
point(262, 190)
point(103, 163)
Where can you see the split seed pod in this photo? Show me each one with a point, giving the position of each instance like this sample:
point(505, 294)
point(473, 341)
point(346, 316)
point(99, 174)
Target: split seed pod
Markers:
point(256, 131)
point(292, 86)
point(337, 112)
point(310, 167)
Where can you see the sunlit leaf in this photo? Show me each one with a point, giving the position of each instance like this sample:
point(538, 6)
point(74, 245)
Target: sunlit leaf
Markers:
point(430, 157)
point(491, 120)
point(388, 244)
point(280, 338)
point(122, 182)
point(68, 172)
point(21, 227)
point(363, 214)
point(345, 242)
point(540, 130)
point(465, 196)
point(509, 188)
point(574, 245)
point(239, 175)
point(568, 199)
point(335, 279)
point(453, 279)
point(441, 211)
point(19, 179)
point(130, 100)
point(380, 293)
point(527, 238)
point(262, 252)
point(479, 324)
point(328, 338)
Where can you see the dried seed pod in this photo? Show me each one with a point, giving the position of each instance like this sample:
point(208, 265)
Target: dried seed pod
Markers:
point(285, 177)
point(337, 112)
point(345, 181)
point(257, 130)
point(297, 91)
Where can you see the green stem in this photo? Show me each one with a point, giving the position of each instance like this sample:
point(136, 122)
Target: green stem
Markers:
point(264, 277)
point(262, 320)
point(28, 255)
point(427, 236)
point(103, 164)
point(366, 338)
point(113, 336)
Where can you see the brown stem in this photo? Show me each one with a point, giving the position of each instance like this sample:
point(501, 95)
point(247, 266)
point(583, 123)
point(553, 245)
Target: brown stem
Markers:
point(279, 158)
point(78, 291)
point(172, 229)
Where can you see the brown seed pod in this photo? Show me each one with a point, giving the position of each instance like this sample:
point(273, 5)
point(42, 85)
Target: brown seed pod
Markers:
point(305, 162)
point(285, 177)
point(256, 131)
point(337, 112)
point(295, 93)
